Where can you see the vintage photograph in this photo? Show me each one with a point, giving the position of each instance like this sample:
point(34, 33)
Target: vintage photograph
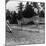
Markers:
point(25, 22)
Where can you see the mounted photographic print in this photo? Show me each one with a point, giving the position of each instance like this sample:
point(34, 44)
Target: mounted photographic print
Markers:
point(25, 22)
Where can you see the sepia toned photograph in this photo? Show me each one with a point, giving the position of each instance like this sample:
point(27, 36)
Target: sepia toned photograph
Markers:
point(25, 22)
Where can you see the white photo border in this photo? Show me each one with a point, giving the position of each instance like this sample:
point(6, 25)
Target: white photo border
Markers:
point(2, 23)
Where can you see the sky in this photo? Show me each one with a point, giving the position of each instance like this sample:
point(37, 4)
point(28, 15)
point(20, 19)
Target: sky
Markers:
point(12, 5)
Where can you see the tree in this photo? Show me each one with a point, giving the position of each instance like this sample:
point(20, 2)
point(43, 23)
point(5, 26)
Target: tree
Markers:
point(8, 15)
point(27, 5)
point(20, 10)
point(13, 18)
point(28, 12)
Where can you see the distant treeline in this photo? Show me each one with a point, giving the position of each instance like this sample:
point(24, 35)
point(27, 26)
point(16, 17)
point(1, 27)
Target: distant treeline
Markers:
point(30, 10)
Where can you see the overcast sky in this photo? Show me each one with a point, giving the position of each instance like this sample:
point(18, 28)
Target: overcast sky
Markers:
point(12, 5)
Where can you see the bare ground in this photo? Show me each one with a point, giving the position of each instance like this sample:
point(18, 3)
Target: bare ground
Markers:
point(36, 35)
